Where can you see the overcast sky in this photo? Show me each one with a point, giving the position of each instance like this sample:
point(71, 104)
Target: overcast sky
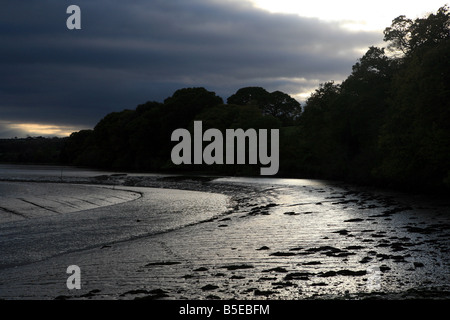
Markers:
point(54, 81)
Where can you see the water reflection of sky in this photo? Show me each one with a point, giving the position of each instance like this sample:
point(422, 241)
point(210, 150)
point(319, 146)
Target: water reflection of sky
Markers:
point(273, 181)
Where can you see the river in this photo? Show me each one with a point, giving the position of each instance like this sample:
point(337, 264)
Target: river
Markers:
point(197, 237)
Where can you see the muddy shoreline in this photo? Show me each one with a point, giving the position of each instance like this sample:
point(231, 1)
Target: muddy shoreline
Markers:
point(277, 241)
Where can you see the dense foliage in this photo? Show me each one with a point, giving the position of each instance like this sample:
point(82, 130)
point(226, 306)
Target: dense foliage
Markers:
point(31, 150)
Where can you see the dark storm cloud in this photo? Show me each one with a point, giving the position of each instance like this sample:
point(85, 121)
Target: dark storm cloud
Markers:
point(129, 52)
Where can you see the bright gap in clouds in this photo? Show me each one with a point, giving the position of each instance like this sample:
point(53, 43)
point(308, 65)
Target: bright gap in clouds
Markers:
point(353, 14)
point(35, 129)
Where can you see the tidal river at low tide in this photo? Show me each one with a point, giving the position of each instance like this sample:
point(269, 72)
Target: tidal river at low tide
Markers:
point(173, 237)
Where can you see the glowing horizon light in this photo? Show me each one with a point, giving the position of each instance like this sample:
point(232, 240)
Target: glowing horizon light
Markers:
point(43, 129)
point(354, 15)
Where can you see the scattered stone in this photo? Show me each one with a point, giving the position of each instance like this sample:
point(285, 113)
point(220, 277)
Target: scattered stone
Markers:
point(298, 276)
point(277, 269)
point(339, 254)
point(351, 273)
point(318, 284)
point(238, 266)
point(267, 278)
point(354, 247)
point(328, 274)
point(162, 263)
point(201, 269)
point(219, 274)
point(398, 258)
point(209, 287)
point(377, 235)
point(283, 254)
point(397, 247)
point(266, 293)
point(365, 260)
point(418, 265)
point(324, 248)
point(342, 232)
point(354, 220)
point(342, 273)
point(346, 201)
point(311, 263)
point(384, 268)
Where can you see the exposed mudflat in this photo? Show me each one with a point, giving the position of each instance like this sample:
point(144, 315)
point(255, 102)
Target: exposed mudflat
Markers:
point(233, 238)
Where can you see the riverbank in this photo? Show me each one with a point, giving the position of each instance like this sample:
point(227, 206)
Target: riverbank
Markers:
point(279, 239)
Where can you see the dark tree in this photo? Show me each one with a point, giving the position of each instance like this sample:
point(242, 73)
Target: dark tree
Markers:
point(406, 35)
point(277, 103)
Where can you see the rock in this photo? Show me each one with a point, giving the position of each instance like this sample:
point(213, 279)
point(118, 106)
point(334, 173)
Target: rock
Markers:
point(162, 263)
point(318, 284)
point(266, 293)
point(311, 263)
point(351, 273)
point(298, 276)
point(328, 274)
point(354, 247)
point(239, 266)
point(342, 273)
point(384, 268)
point(354, 220)
point(342, 232)
point(283, 254)
point(365, 260)
point(263, 248)
point(209, 287)
point(418, 265)
point(277, 269)
point(201, 269)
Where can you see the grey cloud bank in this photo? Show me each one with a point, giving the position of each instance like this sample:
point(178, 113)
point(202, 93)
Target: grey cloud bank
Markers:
point(130, 52)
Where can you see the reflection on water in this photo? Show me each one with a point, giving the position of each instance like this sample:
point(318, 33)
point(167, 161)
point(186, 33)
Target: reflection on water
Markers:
point(272, 181)
point(240, 238)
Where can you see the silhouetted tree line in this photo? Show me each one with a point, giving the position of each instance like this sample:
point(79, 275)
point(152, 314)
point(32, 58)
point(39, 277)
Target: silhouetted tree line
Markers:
point(388, 123)
point(32, 150)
